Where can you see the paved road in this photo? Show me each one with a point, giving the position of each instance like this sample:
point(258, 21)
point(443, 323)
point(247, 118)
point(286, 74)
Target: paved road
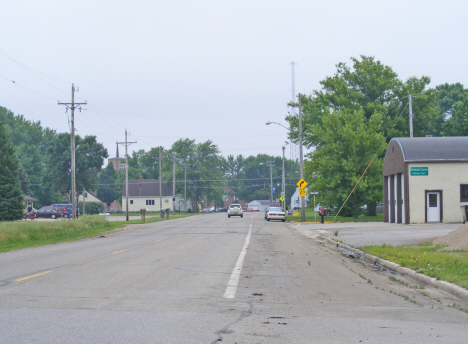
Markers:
point(209, 279)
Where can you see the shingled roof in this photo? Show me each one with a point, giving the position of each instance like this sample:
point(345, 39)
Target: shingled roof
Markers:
point(146, 188)
point(436, 149)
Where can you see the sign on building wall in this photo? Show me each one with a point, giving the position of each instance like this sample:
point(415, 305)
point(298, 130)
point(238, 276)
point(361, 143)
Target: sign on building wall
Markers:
point(419, 171)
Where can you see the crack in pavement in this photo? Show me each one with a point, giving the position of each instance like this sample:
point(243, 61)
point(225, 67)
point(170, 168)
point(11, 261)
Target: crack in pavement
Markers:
point(226, 330)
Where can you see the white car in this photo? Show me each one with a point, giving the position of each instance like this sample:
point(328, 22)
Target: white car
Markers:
point(275, 213)
point(235, 209)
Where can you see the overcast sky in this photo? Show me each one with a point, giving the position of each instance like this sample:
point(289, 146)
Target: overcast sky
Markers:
point(203, 70)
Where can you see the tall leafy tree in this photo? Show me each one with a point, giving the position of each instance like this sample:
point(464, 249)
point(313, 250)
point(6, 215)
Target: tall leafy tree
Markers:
point(11, 196)
point(373, 87)
point(89, 158)
point(232, 168)
point(368, 87)
point(453, 106)
point(349, 143)
point(205, 181)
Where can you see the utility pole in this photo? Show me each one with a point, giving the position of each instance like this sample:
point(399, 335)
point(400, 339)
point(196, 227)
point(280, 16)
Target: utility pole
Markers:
point(410, 115)
point(283, 183)
point(160, 180)
point(173, 181)
point(301, 157)
point(292, 145)
point(271, 179)
point(126, 144)
point(72, 106)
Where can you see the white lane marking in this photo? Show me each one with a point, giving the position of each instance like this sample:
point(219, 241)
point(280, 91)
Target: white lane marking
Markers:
point(234, 280)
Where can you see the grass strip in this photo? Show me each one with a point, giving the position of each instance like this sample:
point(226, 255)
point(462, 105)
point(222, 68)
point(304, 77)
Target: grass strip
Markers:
point(450, 266)
point(21, 234)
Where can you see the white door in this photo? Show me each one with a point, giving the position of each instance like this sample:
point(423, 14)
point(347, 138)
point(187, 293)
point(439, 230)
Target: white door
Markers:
point(433, 206)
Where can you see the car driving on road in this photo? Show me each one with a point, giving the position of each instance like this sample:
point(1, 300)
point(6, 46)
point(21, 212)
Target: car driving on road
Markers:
point(235, 209)
point(275, 213)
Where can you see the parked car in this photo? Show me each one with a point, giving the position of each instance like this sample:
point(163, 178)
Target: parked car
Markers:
point(235, 209)
point(275, 213)
point(63, 210)
point(49, 212)
point(223, 210)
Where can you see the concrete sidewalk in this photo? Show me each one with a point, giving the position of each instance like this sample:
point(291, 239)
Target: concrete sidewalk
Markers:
point(378, 233)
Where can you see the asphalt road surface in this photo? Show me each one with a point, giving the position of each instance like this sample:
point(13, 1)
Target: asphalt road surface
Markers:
point(210, 279)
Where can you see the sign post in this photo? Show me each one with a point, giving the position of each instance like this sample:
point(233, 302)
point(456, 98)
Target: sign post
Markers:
point(315, 214)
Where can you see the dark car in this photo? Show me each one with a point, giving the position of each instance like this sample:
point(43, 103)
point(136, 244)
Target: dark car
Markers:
point(50, 212)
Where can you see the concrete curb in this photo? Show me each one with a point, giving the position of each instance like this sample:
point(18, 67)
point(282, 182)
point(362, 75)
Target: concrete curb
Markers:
point(448, 287)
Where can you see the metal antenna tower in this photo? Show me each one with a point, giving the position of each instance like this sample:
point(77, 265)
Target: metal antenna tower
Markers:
point(292, 145)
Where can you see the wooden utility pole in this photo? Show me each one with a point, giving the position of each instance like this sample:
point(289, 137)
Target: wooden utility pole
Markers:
point(301, 157)
point(160, 180)
point(126, 144)
point(283, 188)
point(72, 106)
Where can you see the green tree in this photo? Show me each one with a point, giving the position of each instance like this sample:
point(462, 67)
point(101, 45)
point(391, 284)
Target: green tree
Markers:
point(254, 181)
point(453, 107)
point(11, 197)
point(373, 87)
point(89, 158)
point(232, 168)
point(349, 142)
point(107, 188)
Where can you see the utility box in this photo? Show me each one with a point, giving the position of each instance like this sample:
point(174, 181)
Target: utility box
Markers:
point(143, 213)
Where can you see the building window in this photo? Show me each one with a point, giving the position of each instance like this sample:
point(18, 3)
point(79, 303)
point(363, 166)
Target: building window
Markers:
point(463, 192)
point(131, 201)
point(121, 165)
point(150, 202)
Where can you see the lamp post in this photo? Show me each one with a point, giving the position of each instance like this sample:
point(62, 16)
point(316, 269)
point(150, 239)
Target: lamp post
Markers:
point(301, 159)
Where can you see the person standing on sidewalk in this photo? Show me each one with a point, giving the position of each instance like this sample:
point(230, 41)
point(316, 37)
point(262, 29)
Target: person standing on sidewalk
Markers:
point(322, 214)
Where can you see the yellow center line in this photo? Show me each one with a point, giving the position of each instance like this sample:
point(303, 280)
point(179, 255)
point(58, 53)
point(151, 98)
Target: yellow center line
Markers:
point(179, 234)
point(26, 278)
point(159, 240)
point(120, 251)
point(192, 229)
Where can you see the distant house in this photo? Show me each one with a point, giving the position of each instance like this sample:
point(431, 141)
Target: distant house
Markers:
point(90, 197)
point(260, 205)
point(425, 179)
point(296, 200)
point(144, 194)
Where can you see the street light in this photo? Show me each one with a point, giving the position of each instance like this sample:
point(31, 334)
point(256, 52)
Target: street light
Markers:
point(301, 159)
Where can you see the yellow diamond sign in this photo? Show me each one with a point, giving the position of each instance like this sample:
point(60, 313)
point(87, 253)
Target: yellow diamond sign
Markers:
point(302, 184)
point(281, 198)
point(302, 193)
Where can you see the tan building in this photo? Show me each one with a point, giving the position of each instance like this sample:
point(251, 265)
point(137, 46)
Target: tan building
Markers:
point(144, 194)
point(425, 179)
